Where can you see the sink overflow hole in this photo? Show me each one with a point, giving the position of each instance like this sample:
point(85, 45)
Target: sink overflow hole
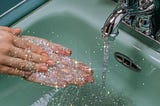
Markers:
point(127, 62)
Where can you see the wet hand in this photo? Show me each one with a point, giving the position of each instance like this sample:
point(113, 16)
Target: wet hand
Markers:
point(20, 57)
point(66, 71)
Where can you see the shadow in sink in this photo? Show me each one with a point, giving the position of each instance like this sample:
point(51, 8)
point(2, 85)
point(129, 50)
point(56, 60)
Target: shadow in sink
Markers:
point(87, 46)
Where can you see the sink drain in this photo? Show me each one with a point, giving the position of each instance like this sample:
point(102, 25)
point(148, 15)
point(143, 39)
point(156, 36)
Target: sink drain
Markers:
point(127, 62)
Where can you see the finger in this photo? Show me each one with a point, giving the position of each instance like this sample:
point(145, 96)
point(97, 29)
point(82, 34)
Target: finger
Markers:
point(61, 50)
point(22, 43)
point(75, 64)
point(71, 77)
point(26, 54)
point(13, 71)
point(14, 31)
point(63, 75)
point(84, 67)
point(83, 73)
point(49, 81)
point(87, 71)
point(58, 49)
point(23, 64)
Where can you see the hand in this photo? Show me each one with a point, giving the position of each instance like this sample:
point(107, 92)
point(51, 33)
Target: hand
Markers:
point(66, 71)
point(20, 57)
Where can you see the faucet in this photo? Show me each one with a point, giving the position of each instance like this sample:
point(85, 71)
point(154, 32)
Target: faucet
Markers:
point(130, 8)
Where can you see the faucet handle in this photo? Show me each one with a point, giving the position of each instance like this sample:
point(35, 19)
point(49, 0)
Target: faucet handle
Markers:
point(147, 6)
point(126, 11)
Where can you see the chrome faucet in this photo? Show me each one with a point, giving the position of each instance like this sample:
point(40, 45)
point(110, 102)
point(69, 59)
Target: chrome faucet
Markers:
point(140, 7)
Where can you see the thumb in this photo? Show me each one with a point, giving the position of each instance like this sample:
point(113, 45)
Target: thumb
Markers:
point(16, 31)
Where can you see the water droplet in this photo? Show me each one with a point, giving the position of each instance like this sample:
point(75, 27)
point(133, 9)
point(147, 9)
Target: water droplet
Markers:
point(143, 83)
point(108, 71)
point(89, 69)
point(98, 44)
point(56, 86)
point(52, 32)
point(105, 68)
point(76, 62)
point(116, 65)
point(108, 92)
point(28, 31)
point(86, 52)
point(57, 62)
point(22, 79)
point(33, 32)
point(57, 36)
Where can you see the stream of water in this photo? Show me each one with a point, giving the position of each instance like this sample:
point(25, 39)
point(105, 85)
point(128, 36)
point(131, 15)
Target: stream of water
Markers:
point(104, 71)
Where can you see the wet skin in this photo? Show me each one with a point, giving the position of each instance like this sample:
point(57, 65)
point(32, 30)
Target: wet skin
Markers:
point(66, 71)
point(23, 56)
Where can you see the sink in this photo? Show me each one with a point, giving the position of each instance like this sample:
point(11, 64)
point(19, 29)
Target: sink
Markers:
point(77, 24)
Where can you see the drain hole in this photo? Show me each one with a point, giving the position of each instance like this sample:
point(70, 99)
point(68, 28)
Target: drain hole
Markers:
point(126, 61)
point(119, 58)
point(136, 68)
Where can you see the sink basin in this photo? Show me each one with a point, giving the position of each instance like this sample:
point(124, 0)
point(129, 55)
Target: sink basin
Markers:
point(77, 24)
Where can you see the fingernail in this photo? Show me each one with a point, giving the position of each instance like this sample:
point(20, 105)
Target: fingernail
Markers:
point(43, 67)
point(16, 31)
point(50, 62)
point(68, 51)
point(90, 70)
point(89, 79)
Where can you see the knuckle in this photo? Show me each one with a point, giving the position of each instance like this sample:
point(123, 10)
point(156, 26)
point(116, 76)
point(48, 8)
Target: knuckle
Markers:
point(5, 48)
point(21, 65)
point(25, 65)
point(29, 57)
point(42, 58)
point(26, 43)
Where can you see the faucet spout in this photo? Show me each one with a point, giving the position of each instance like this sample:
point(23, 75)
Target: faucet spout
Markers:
point(110, 28)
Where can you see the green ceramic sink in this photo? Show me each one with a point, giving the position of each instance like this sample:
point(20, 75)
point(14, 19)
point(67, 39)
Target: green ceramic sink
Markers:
point(132, 72)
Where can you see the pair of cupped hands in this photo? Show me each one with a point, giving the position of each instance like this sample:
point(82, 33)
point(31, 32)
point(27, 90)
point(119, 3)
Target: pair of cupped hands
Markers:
point(20, 57)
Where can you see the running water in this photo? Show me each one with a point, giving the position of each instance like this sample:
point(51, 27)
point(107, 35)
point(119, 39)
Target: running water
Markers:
point(104, 71)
